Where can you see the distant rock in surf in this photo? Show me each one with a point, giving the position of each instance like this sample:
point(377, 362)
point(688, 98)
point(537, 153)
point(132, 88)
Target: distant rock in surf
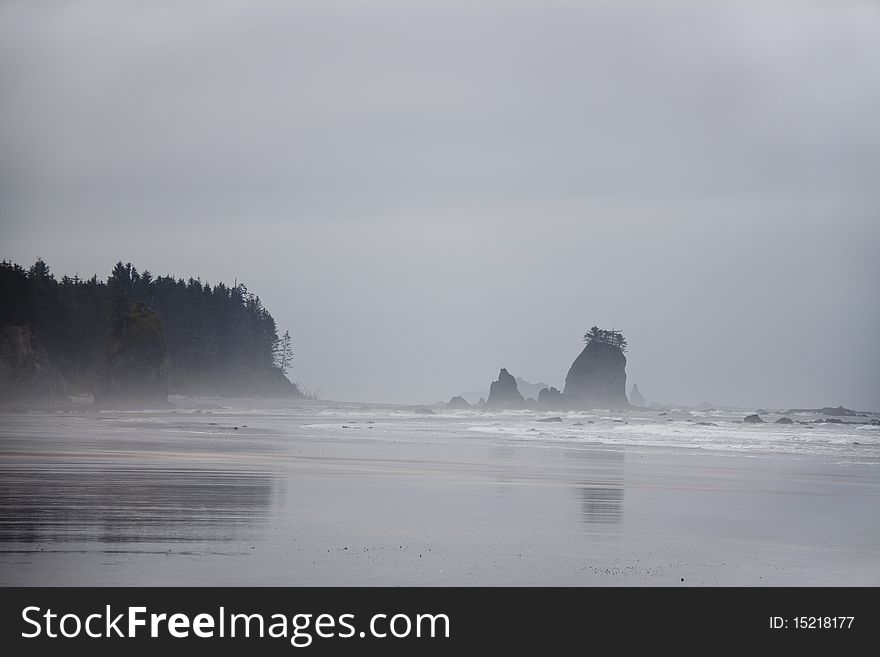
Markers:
point(839, 411)
point(635, 397)
point(551, 419)
point(596, 379)
point(551, 399)
point(753, 419)
point(784, 420)
point(457, 402)
point(527, 389)
point(423, 410)
point(503, 393)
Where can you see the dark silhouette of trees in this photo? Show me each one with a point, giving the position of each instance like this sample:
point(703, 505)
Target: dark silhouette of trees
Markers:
point(611, 337)
point(283, 353)
point(219, 339)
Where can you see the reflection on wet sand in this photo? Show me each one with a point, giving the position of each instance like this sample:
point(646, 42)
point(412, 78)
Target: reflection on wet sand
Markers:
point(601, 505)
point(122, 505)
point(601, 493)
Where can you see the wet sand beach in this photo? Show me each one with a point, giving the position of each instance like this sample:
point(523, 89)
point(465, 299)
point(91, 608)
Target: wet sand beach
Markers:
point(323, 495)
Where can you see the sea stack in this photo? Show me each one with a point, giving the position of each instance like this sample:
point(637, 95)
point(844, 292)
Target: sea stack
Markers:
point(550, 399)
point(457, 402)
point(25, 369)
point(635, 397)
point(503, 393)
point(597, 378)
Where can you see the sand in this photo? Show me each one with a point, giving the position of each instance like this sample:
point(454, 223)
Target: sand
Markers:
point(317, 495)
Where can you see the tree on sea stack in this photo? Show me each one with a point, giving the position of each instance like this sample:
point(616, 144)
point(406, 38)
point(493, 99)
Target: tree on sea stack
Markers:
point(613, 337)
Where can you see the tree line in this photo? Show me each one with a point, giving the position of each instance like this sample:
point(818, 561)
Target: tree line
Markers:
point(220, 339)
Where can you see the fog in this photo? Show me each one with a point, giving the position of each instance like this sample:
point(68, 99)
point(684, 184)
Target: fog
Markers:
point(424, 192)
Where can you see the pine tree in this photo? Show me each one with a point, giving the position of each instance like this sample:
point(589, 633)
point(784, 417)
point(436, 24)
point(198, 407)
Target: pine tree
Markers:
point(283, 353)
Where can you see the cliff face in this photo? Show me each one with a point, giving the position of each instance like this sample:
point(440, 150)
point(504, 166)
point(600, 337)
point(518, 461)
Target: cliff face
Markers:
point(25, 369)
point(597, 378)
point(503, 393)
point(136, 368)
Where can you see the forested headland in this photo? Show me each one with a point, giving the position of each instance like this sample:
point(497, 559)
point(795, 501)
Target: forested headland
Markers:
point(136, 334)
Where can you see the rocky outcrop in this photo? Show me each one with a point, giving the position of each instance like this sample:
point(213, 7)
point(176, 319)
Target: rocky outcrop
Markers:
point(25, 370)
point(135, 372)
point(527, 389)
point(551, 399)
point(635, 397)
point(597, 378)
point(840, 411)
point(753, 419)
point(457, 403)
point(503, 393)
point(784, 420)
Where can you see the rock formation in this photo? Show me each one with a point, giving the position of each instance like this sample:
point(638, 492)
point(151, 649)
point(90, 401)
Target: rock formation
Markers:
point(753, 419)
point(785, 420)
point(597, 378)
point(25, 369)
point(527, 389)
point(828, 410)
point(503, 393)
point(551, 399)
point(635, 397)
point(135, 373)
point(457, 402)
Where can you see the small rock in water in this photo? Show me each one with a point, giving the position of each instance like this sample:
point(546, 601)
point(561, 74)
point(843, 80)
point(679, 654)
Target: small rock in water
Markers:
point(784, 420)
point(551, 419)
point(458, 402)
point(753, 419)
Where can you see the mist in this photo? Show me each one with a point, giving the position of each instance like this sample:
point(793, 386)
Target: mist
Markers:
point(423, 193)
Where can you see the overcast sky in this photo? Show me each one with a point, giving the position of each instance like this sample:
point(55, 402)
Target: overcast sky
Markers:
point(424, 192)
